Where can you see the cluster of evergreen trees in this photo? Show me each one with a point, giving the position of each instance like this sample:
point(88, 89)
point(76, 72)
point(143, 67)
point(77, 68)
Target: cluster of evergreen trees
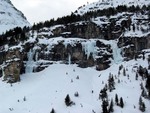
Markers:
point(87, 16)
point(143, 72)
point(145, 93)
point(142, 106)
point(63, 20)
point(14, 36)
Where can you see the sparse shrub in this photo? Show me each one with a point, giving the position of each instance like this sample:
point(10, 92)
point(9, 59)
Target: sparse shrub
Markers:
point(128, 76)
point(102, 82)
point(141, 85)
point(118, 80)
point(24, 98)
point(148, 85)
point(92, 91)
point(120, 67)
point(103, 94)
point(136, 76)
point(121, 102)
point(11, 109)
point(76, 94)
point(77, 77)
point(141, 105)
point(93, 111)
point(74, 70)
point(144, 93)
point(111, 83)
point(52, 111)
point(116, 99)
point(104, 106)
point(118, 73)
point(68, 101)
point(124, 72)
point(111, 109)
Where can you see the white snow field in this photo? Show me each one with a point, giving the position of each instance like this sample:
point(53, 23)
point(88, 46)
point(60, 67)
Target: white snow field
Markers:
point(40, 92)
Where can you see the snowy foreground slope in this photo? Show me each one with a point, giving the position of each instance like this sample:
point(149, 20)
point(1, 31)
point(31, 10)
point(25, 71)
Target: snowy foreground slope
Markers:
point(10, 17)
point(40, 92)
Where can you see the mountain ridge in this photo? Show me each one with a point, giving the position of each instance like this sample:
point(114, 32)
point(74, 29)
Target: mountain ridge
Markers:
point(105, 4)
point(10, 17)
point(98, 62)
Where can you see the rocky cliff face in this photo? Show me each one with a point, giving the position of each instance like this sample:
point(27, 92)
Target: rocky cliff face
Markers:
point(133, 46)
point(88, 30)
point(97, 42)
point(12, 64)
point(104, 4)
point(41, 50)
point(83, 52)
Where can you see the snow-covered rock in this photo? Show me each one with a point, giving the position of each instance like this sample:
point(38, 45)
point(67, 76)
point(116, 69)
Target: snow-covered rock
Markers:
point(10, 17)
point(40, 92)
point(104, 4)
point(118, 46)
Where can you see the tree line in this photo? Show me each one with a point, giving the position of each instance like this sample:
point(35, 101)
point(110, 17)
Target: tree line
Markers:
point(19, 34)
point(91, 14)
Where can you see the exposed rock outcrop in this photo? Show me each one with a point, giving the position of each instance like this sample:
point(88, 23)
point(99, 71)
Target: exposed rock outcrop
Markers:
point(12, 65)
point(132, 46)
point(88, 30)
point(90, 42)
point(84, 53)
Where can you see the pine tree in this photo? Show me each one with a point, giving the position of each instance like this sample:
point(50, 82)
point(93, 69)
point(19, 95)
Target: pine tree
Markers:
point(103, 93)
point(133, 27)
point(118, 80)
point(142, 87)
point(52, 111)
point(136, 77)
point(104, 106)
point(116, 99)
point(124, 72)
point(111, 109)
point(144, 94)
point(76, 94)
point(140, 101)
point(111, 83)
point(24, 98)
point(121, 102)
point(68, 100)
point(148, 85)
point(141, 105)
point(143, 55)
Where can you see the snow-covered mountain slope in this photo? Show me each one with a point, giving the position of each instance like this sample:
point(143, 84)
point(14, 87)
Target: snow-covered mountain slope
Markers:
point(135, 22)
point(91, 58)
point(104, 4)
point(10, 17)
point(40, 92)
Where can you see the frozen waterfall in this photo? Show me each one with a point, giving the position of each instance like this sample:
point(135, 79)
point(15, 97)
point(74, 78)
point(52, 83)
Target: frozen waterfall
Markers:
point(69, 59)
point(117, 57)
point(30, 62)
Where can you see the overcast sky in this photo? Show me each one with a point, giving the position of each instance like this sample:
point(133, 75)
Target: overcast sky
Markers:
point(41, 10)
